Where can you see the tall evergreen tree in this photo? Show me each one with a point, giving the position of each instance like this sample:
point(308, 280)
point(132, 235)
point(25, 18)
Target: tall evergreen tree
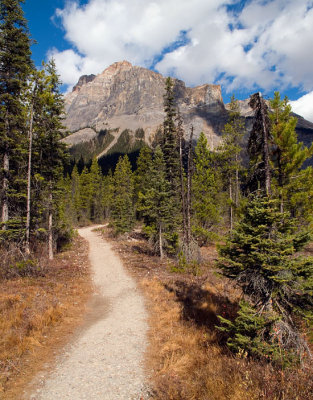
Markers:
point(287, 154)
point(75, 194)
point(51, 152)
point(141, 176)
point(156, 205)
point(231, 149)
point(123, 213)
point(205, 192)
point(85, 196)
point(170, 140)
point(97, 192)
point(15, 67)
point(108, 194)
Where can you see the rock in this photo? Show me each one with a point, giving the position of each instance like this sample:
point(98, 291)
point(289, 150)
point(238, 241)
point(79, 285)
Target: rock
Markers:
point(128, 97)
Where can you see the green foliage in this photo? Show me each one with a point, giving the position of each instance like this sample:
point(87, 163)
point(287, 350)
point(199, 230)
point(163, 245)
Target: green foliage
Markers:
point(230, 155)
point(170, 144)
point(253, 333)
point(142, 174)
point(155, 202)
point(123, 214)
point(88, 150)
point(287, 155)
point(206, 193)
point(15, 69)
point(260, 256)
point(126, 143)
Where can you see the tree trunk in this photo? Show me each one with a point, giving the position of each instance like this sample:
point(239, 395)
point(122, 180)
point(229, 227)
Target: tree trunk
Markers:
point(5, 187)
point(5, 205)
point(237, 183)
point(27, 249)
point(189, 183)
point(231, 204)
point(181, 165)
point(50, 223)
point(266, 157)
point(160, 242)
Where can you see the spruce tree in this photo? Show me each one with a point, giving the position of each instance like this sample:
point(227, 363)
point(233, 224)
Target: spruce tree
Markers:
point(15, 67)
point(170, 150)
point(205, 192)
point(170, 141)
point(108, 194)
point(141, 176)
point(260, 254)
point(157, 207)
point(85, 193)
point(75, 193)
point(123, 213)
point(287, 154)
point(51, 152)
point(96, 191)
point(230, 150)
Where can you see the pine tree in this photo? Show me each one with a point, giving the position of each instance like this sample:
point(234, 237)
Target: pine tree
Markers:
point(287, 154)
point(85, 193)
point(278, 285)
point(123, 213)
point(205, 192)
point(231, 149)
point(170, 141)
point(51, 152)
point(108, 194)
point(96, 191)
point(156, 205)
point(15, 67)
point(141, 176)
point(75, 193)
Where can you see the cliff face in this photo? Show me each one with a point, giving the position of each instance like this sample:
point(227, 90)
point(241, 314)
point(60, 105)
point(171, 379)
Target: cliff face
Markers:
point(127, 97)
point(124, 97)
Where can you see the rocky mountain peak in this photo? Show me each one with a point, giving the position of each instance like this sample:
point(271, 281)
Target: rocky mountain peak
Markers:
point(126, 97)
point(129, 97)
point(83, 80)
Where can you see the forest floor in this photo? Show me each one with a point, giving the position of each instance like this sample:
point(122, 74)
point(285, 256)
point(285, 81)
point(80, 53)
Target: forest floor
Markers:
point(38, 315)
point(174, 331)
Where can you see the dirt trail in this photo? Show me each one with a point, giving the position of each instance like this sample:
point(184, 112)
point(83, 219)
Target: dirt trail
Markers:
point(105, 361)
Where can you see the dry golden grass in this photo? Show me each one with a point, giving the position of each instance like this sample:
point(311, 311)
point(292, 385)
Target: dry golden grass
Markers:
point(187, 358)
point(38, 314)
point(187, 363)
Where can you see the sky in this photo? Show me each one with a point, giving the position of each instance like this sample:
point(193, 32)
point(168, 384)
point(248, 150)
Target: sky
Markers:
point(245, 46)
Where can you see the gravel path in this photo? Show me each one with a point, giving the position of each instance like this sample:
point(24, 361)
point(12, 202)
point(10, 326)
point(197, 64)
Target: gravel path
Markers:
point(105, 362)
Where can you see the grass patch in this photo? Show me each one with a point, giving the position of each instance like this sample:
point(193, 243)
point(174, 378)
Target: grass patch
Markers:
point(37, 315)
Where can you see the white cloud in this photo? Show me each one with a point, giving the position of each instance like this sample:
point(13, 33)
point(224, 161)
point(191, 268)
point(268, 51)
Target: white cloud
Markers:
point(278, 33)
point(304, 106)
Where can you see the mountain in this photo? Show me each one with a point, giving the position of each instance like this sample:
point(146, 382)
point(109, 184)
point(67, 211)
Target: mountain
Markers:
point(115, 111)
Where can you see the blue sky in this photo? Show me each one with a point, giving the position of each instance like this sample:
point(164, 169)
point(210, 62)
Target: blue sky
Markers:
point(246, 46)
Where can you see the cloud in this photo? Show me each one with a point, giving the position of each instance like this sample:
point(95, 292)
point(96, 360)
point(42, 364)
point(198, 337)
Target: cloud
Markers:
point(267, 44)
point(304, 106)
